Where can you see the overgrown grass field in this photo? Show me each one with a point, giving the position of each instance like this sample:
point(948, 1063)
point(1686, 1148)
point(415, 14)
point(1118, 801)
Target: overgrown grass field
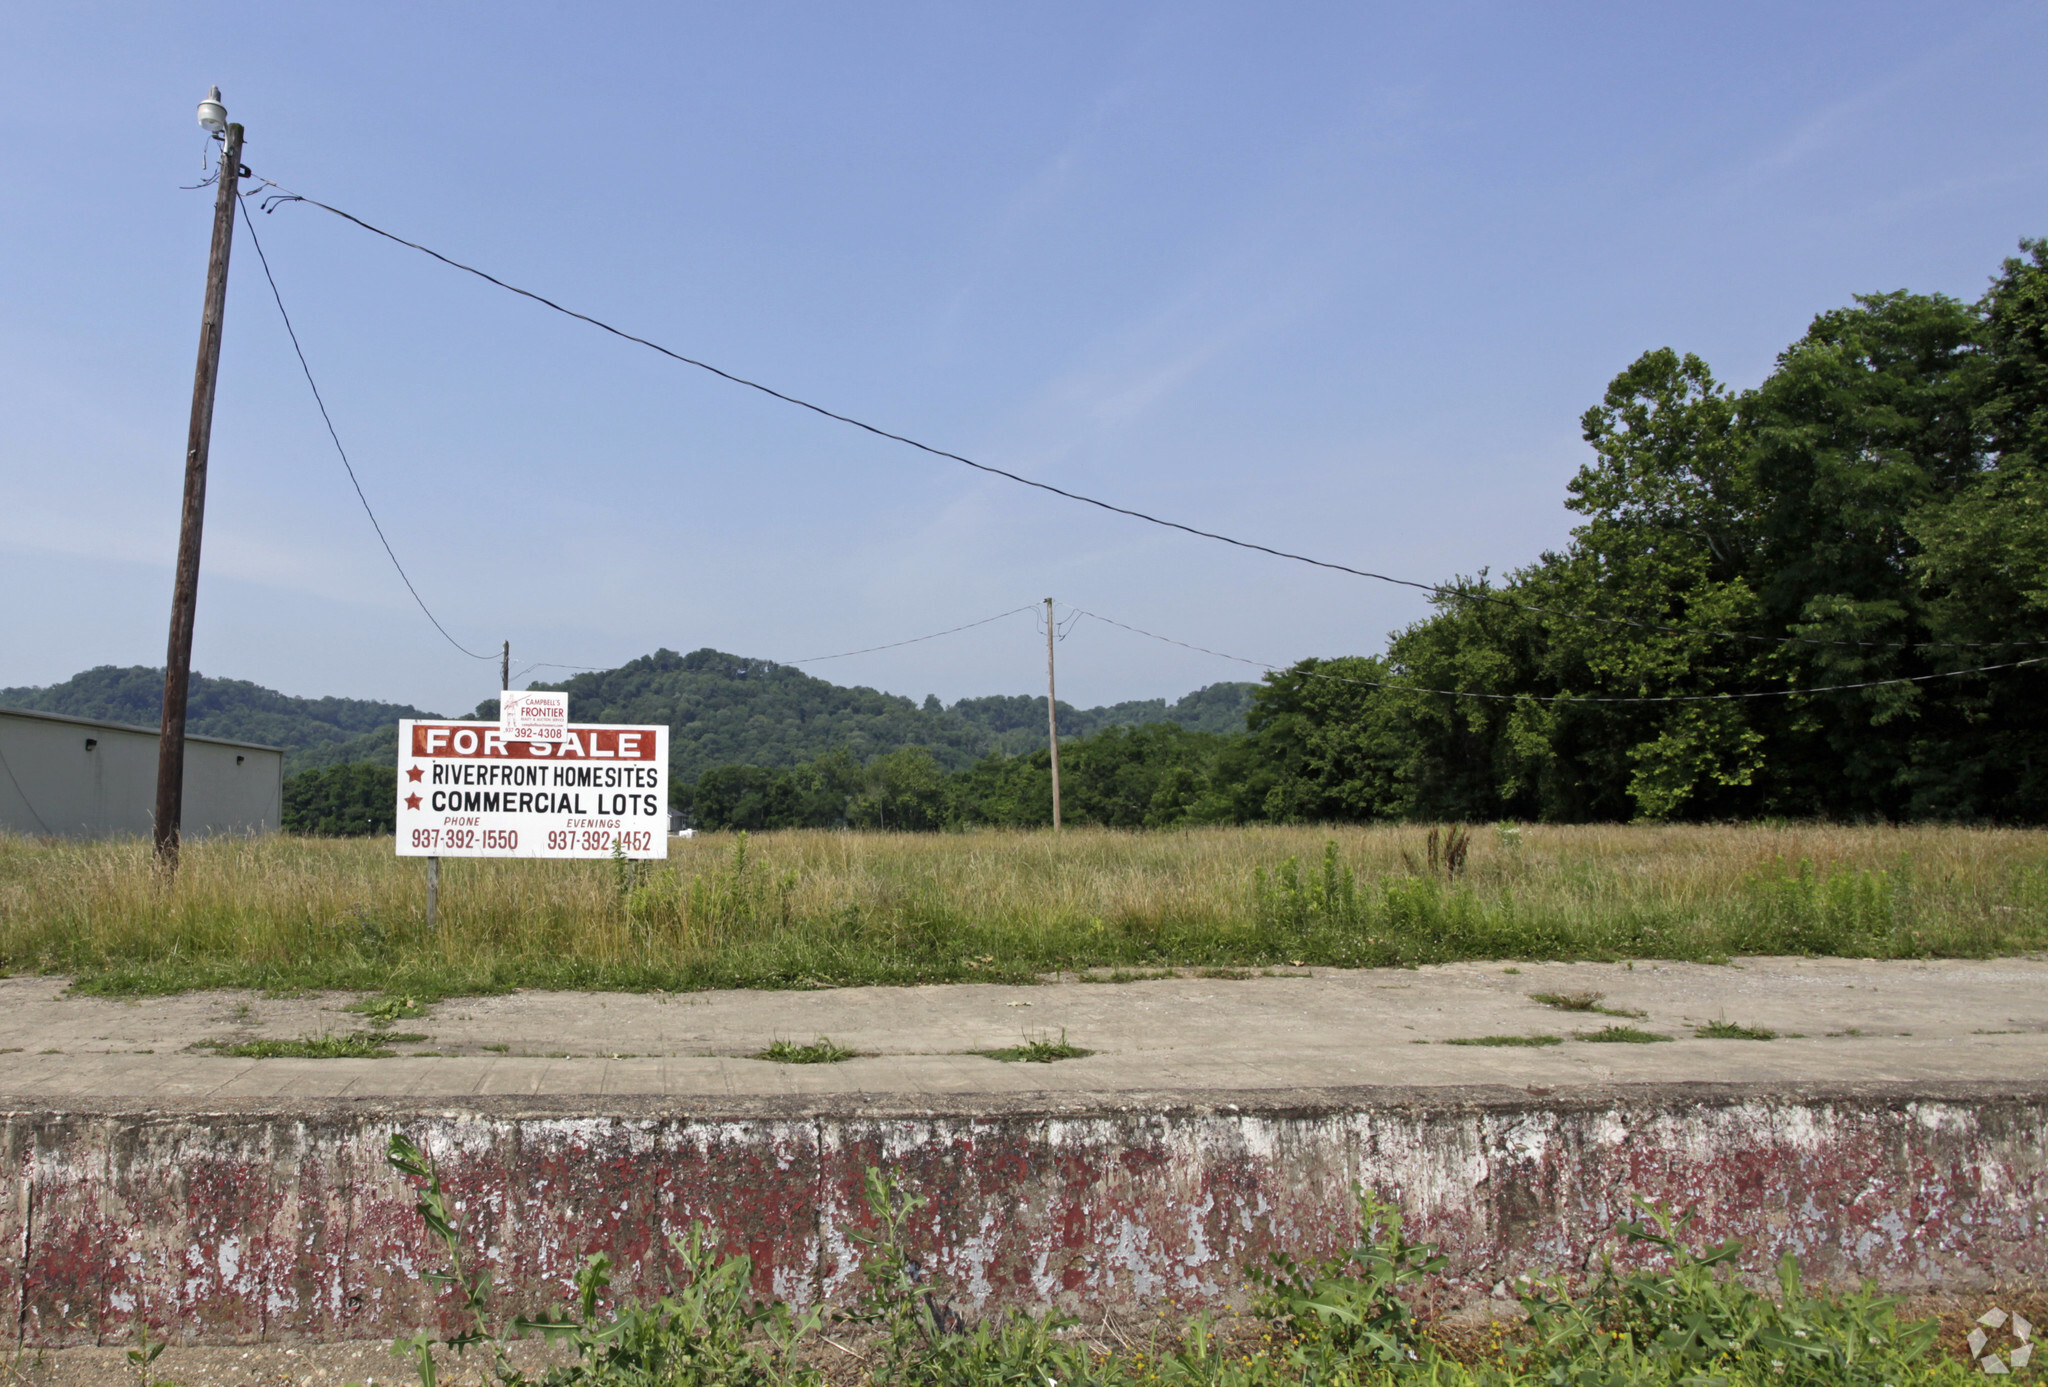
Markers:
point(810, 908)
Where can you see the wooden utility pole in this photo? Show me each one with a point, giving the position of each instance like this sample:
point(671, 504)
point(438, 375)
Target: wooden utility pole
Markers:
point(505, 669)
point(1052, 715)
point(170, 762)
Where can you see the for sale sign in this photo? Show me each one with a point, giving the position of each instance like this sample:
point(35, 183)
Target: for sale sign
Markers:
point(466, 790)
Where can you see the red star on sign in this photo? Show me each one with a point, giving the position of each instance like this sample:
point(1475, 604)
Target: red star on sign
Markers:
point(412, 801)
point(414, 774)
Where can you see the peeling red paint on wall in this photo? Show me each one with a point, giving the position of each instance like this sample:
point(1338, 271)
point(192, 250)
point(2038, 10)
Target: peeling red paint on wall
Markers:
point(235, 1224)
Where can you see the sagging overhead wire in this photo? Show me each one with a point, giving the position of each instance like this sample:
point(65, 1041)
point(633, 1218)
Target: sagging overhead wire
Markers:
point(1560, 698)
point(814, 659)
point(545, 664)
point(283, 195)
point(328, 420)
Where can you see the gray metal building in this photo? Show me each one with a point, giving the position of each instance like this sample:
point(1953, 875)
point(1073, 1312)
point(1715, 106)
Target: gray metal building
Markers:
point(77, 778)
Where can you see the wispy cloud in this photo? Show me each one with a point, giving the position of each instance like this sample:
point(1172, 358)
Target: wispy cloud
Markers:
point(1842, 122)
point(1037, 197)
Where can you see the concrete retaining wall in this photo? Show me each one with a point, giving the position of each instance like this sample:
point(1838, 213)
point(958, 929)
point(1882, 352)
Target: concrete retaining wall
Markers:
point(230, 1223)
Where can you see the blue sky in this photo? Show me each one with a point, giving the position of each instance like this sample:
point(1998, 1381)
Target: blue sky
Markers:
point(1338, 278)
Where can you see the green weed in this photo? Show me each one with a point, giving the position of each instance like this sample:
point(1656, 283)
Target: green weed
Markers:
point(1580, 1001)
point(143, 1356)
point(1532, 1040)
point(1350, 1308)
point(925, 1342)
point(820, 1051)
point(709, 1331)
point(1621, 1035)
point(361, 1045)
point(384, 1011)
point(1039, 1051)
point(1693, 1320)
point(1728, 1030)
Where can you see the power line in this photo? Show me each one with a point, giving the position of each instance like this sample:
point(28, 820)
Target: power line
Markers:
point(814, 659)
point(286, 195)
point(1564, 698)
point(544, 664)
point(327, 419)
point(299, 351)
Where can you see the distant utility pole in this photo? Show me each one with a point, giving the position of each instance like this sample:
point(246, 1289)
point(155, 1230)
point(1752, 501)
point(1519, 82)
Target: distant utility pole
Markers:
point(170, 762)
point(505, 668)
point(1052, 715)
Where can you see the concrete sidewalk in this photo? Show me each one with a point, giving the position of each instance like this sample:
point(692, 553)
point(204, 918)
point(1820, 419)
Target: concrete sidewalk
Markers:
point(1837, 1021)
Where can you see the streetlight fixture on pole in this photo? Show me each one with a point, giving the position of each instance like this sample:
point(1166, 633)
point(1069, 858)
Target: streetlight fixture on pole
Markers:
point(170, 763)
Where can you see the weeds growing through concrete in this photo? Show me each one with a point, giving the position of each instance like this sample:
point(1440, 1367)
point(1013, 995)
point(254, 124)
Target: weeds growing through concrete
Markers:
point(809, 909)
point(823, 1050)
point(143, 1357)
point(1728, 1030)
point(1529, 1040)
point(384, 1011)
point(1041, 1050)
point(1621, 1035)
point(361, 1045)
point(1568, 1001)
point(1580, 1001)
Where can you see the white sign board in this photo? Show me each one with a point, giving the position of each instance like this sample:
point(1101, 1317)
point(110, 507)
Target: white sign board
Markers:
point(532, 716)
point(464, 790)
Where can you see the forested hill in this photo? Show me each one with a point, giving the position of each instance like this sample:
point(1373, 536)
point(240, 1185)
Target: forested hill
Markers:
point(727, 710)
point(1017, 724)
point(722, 709)
point(313, 731)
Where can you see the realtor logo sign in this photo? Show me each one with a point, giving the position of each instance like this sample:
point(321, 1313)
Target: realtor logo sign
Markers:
point(531, 716)
point(465, 789)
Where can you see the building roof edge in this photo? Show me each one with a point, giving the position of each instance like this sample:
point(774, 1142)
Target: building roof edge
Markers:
point(131, 727)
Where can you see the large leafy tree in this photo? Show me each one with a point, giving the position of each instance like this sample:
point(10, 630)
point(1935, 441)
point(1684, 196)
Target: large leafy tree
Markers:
point(1981, 568)
point(1874, 514)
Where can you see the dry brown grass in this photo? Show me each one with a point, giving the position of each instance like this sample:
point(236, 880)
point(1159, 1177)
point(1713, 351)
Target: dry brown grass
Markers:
point(806, 908)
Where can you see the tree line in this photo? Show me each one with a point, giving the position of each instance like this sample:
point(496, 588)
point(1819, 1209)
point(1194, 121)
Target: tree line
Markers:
point(729, 710)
